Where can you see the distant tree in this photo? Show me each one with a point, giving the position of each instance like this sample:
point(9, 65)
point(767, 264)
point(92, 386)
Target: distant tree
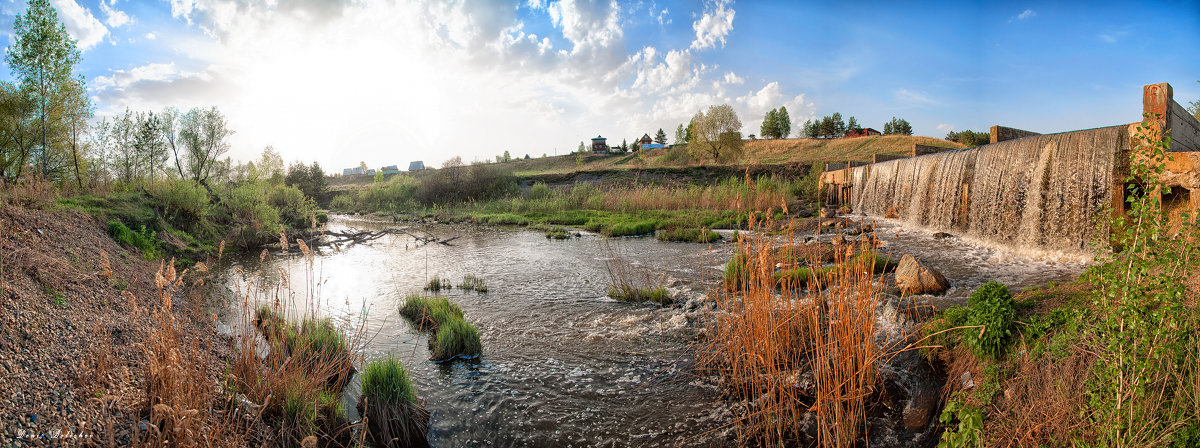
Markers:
point(783, 123)
point(580, 150)
point(852, 126)
point(624, 146)
point(1195, 108)
point(839, 126)
point(811, 129)
point(363, 165)
point(203, 133)
point(969, 138)
point(680, 135)
point(317, 184)
point(897, 126)
point(149, 144)
point(452, 162)
point(506, 158)
point(717, 132)
point(770, 126)
point(270, 165)
point(660, 137)
point(635, 147)
point(689, 132)
point(43, 58)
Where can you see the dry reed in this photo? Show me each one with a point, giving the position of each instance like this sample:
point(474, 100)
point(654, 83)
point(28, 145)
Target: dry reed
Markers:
point(790, 349)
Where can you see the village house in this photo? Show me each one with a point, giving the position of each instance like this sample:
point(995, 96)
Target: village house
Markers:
point(599, 145)
point(390, 169)
point(862, 133)
point(416, 165)
point(645, 140)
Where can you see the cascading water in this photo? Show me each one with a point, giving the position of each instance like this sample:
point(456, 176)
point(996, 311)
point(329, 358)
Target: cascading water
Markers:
point(1045, 193)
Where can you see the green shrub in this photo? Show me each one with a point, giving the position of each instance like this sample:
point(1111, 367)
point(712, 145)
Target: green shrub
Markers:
point(144, 240)
point(343, 203)
point(293, 207)
point(626, 228)
point(182, 199)
point(252, 221)
point(539, 191)
point(992, 307)
point(429, 313)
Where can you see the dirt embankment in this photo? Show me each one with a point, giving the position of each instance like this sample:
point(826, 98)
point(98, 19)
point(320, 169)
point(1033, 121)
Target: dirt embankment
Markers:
point(77, 313)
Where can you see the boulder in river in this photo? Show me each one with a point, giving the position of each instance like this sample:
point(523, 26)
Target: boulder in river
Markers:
point(827, 213)
point(941, 235)
point(845, 210)
point(915, 277)
point(892, 213)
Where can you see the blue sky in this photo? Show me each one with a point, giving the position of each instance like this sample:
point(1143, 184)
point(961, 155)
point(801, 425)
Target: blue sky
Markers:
point(387, 82)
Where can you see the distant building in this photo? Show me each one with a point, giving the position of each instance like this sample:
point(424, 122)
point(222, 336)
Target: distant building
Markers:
point(391, 169)
point(416, 166)
point(645, 140)
point(863, 133)
point(358, 170)
point(371, 172)
point(599, 145)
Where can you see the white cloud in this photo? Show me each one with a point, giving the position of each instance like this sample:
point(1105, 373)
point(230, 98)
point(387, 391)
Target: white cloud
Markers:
point(662, 17)
point(80, 23)
point(714, 25)
point(1024, 15)
point(908, 96)
point(114, 17)
point(945, 127)
point(151, 36)
point(733, 78)
point(1113, 37)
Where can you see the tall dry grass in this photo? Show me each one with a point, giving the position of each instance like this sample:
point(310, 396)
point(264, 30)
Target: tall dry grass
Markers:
point(788, 349)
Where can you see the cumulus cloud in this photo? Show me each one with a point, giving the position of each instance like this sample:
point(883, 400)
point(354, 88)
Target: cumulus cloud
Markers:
point(151, 36)
point(733, 78)
point(80, 23)
point(945, 127)
point(1024, 15)
point(114, 17)
point(713, 26)
point(912, 97)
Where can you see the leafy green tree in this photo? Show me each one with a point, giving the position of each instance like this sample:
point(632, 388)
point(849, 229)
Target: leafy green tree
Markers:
point(839, 126)
point(811, 129)
point(717, 132)
point(18, 130)
point(783, 123)
point(43, 58)
point(680, 135)
point(203, 134)
point(506, 157)
point(969, 138)
point(270, 165)
point(769, 127)
point(660, 137)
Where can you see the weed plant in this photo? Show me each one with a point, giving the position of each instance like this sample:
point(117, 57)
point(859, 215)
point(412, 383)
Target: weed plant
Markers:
point(473, 283)
point(436, 284)
point(689, 235)
point(390, 406)
point(626, 293)
point(453, 336)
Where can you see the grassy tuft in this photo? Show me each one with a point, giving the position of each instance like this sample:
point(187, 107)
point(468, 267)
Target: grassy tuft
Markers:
point(626, 293)
point(437, 284)
point(386, 380)
point(452, 334)
point(143, 240)
point(689, 235)
point(471, 282)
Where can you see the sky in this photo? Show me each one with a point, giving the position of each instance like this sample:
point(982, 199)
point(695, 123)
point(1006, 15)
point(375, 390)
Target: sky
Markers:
point(388, 82)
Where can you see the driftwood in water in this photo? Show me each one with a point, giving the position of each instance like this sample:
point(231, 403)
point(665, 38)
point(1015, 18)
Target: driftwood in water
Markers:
point(355, 236)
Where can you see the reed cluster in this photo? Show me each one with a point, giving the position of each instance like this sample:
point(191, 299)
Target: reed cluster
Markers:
point(789, 346)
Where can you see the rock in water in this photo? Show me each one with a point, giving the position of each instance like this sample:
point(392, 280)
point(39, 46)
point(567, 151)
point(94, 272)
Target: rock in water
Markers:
point(845, 210)
point(892, 213)
point(940, 235)
point(827, 213)
point(914, 277)
point(920, 408)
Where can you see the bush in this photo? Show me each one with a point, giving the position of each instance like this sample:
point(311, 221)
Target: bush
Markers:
point(144, 240)
point(295, 209)
point(252, 221)
point(182, 199)
point(992, 307)
point(539, 191)
point(343, 203)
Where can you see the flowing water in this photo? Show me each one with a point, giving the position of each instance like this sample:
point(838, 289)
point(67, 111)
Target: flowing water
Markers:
point(1043, 195)
point(562, 364)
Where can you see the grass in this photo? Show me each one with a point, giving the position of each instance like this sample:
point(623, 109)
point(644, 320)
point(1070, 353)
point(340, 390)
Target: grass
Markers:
point(389, 403)
point(689, 235)
point(143, 240)
point(560, 233)
point(471, 282)
point(626, 293)
point(436, 284)
point(453, 336)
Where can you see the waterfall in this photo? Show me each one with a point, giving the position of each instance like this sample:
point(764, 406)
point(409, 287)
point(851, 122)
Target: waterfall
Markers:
point(1044, 193)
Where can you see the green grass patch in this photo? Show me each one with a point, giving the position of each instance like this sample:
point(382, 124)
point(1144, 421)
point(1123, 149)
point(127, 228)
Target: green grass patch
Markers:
point(436, 284)
point(634, 228)
point(560, 233)
point(452, 335)
point(471, 282)
point(387, 381)
point(626, 293)
point(688, 235)
point(143, 240)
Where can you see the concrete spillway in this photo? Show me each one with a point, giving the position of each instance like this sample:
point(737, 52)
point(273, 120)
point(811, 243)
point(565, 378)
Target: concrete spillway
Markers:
point(1050, 194)
point(1045, 192)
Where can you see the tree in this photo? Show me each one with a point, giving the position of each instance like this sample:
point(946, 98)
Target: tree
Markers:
point(18, 130)
point(811, 129)
point(43, 58)
point(783, 123)
point(852, 126)
point(203, 134)
point(270, 165)
point(969, 138)
point(660, 137)
point(506, 158)
point(897, 126)
point(717, 132)
point(624, 145)
point(580, 150)
point(770, 125)
point(680, 135)
point(839, 126)
point(1195, 108)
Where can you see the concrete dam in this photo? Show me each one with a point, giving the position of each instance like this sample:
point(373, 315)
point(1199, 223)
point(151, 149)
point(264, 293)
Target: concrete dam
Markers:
point(1028, 192)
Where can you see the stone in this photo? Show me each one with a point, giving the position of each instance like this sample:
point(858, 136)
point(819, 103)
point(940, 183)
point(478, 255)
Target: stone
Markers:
point(941, 235)
point(845, 210)
point(892, 213)
point(920, 408)
point(827, 213)
point(915, 277)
